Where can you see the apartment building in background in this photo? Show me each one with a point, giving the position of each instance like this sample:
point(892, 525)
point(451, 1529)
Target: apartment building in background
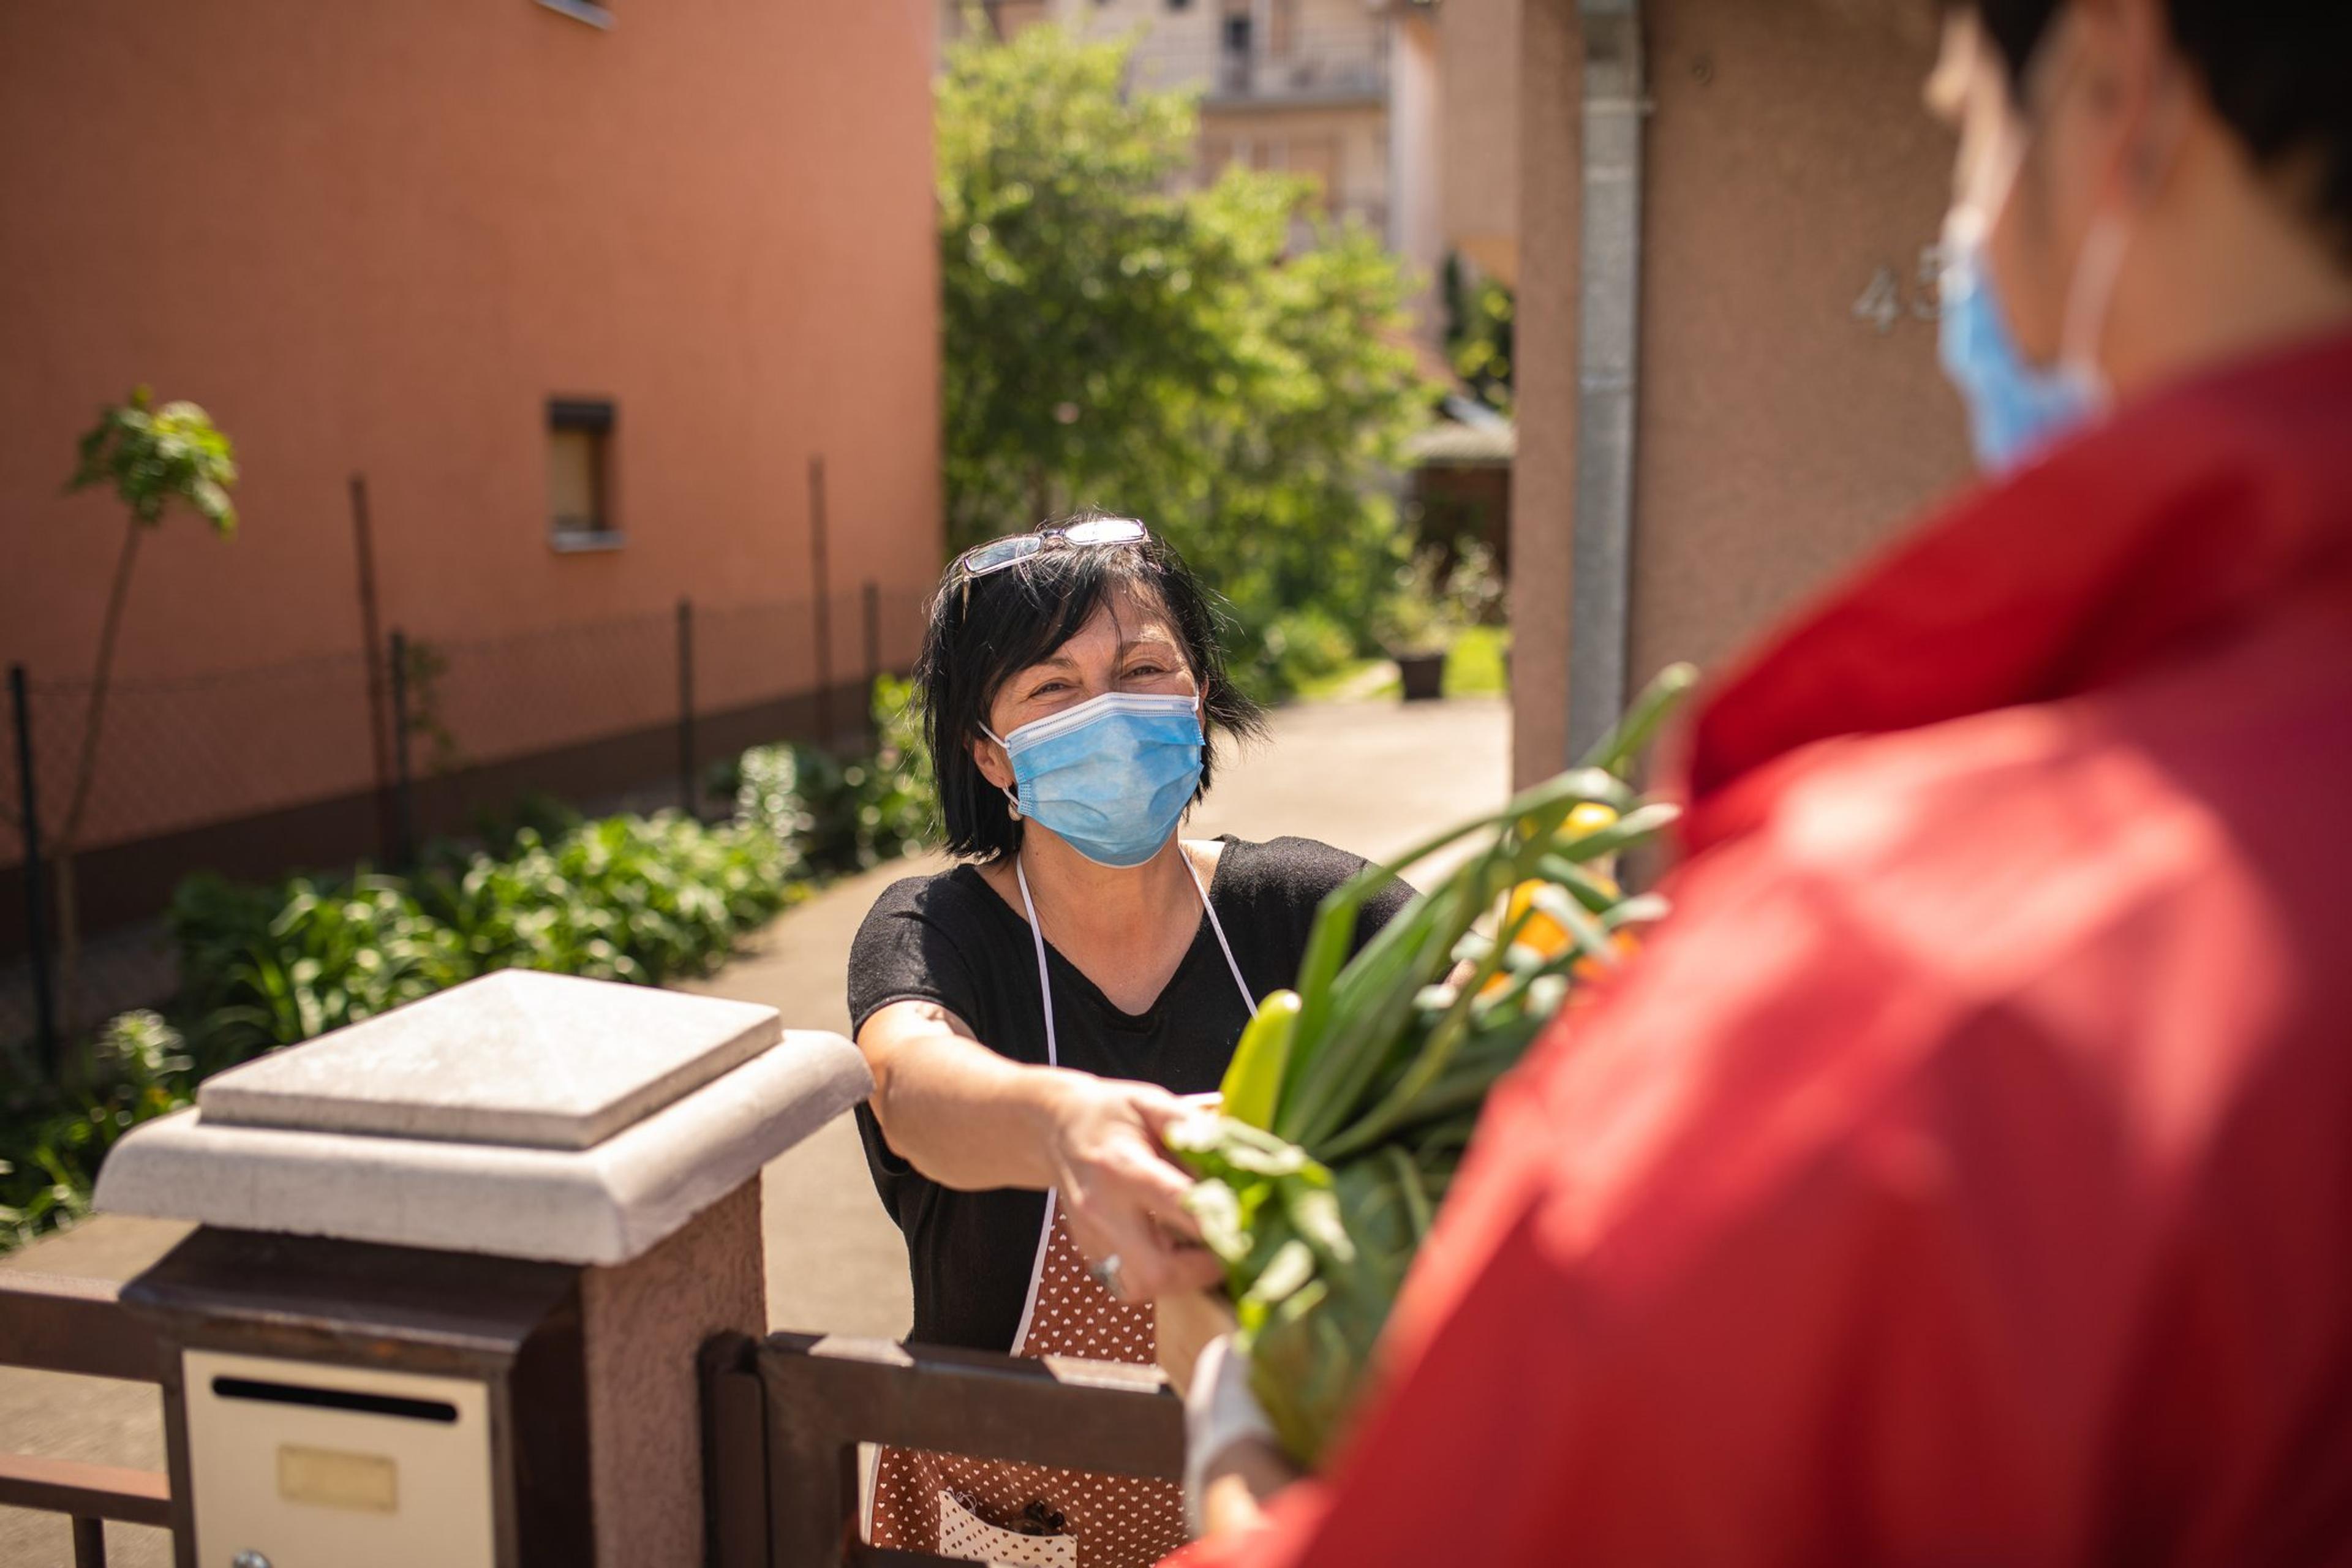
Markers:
point(1344, 92)
point(592, 349)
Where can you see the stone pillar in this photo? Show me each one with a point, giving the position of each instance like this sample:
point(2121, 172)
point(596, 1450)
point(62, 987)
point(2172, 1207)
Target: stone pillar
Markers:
point(643, 1322)
point(595, 1149)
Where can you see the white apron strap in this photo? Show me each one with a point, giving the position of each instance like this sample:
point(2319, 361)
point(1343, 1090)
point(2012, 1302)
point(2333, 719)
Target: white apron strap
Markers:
point(1217, 926)
point(1054, 1054)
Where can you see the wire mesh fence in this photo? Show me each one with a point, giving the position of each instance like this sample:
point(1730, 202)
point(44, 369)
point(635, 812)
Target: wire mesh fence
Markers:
point(327, 762)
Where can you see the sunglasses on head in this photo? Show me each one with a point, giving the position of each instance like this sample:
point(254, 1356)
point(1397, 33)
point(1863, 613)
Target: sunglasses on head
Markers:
point(1088, 532)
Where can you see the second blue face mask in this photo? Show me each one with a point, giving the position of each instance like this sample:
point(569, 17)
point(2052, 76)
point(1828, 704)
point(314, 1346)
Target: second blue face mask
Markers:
point(2015, 408)
point(1111, 776)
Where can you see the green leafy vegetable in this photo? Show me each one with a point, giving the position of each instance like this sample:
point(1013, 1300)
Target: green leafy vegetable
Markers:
point(1349, 1104)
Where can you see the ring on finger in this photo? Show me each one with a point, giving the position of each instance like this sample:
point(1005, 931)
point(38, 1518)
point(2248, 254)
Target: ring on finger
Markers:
point(1106, 1275)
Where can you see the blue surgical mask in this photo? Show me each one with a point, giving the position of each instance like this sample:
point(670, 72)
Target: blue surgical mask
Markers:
point(1111, 776)
point(2015, 408)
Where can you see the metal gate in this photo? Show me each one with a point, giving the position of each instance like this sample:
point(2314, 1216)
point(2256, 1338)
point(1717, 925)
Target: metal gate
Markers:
point(783, 1418)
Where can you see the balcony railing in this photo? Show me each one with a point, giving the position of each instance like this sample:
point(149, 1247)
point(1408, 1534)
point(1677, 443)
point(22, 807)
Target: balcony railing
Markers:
point(1329, 68)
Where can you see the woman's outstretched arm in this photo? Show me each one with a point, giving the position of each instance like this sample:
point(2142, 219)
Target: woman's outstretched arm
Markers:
point(969, 1119)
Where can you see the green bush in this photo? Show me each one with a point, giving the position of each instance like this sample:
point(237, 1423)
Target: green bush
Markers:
point(898, 797)
point(638, 899)
point(266, 967)
point(634, 899)
point(624, 898)
point(800, 795)
point(832, 815)
point(1477, 665)
point(1478, 333)
point(52, 1137)
point(1309, 644)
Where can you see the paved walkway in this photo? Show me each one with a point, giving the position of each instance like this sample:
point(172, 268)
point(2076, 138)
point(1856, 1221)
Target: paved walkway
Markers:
point(1372, 777)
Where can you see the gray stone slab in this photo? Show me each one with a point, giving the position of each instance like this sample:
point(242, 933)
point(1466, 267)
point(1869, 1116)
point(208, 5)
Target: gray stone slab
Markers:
point(604, 1205)
point(518, 1057)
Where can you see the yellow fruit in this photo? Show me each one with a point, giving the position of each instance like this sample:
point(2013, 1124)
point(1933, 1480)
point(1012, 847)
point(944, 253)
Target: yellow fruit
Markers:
point(1541, 932)
point(1590, 816)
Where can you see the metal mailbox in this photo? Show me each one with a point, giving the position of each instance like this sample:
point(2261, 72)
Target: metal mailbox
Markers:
point(340, 1404)
point(295, 1463)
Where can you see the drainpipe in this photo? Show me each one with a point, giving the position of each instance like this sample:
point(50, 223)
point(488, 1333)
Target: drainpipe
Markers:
point(1608, 365)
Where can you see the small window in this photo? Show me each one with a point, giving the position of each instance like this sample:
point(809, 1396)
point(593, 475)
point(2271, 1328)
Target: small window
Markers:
point(580, 475)
point(1180, 5)
point(587, 11)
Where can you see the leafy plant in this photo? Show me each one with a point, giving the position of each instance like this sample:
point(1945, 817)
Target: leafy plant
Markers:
point(1434, 600)
point(1478, 333)
point(53, 1138)
point(153, 457)
point(422, 667)
point(543, 814)
point(899, 806)
point(1307, 645)
point(832, 814)
point(634, 899)
point(1478, 664)
point(266, 968)
point(1349, 1102)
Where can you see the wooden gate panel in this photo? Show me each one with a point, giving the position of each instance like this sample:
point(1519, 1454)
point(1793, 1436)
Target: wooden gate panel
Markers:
point(783, 1418)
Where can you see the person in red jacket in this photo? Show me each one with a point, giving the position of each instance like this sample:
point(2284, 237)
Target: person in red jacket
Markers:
point(1964, 1174)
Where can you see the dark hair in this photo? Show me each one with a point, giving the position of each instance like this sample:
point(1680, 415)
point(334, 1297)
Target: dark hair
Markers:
point(2274, 69)
point(984, 630)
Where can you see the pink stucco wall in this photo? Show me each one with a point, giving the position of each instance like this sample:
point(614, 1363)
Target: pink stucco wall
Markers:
point(379, 239)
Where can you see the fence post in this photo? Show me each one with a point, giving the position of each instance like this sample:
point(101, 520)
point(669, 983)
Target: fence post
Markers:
point(404, 802)
point(685, 800)
point(371, 646)
point(36, 941)
point(871, 615)
point(818, 571)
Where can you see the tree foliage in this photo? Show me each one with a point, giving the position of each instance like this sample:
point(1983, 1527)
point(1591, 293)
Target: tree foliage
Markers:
point(1221, 362)
point(1478, 333)
point(153, 457)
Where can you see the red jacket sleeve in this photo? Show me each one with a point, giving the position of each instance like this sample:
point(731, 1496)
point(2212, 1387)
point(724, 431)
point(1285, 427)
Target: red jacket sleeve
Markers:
point(1753, 1262)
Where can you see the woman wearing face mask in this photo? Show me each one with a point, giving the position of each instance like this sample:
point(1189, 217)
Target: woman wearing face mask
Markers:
point(1033, 1017)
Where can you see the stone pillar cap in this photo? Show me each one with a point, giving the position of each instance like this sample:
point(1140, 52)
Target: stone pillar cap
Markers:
point(522, 1115)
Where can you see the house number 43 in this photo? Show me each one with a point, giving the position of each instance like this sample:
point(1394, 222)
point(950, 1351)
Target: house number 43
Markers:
point(1882, 304)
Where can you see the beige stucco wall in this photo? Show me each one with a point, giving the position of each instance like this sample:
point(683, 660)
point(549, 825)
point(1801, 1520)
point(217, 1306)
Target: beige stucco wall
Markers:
point(378, 238)
point(1479, 56)
point(1543, 475)
point(1416, 159)
point(1788, 160)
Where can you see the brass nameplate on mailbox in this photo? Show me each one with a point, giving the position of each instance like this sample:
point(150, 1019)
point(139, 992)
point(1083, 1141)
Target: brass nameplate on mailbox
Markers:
point(368, 1482)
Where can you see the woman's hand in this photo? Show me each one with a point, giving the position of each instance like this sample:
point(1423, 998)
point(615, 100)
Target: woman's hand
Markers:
point(1123, 1195)
point(1185, 1324)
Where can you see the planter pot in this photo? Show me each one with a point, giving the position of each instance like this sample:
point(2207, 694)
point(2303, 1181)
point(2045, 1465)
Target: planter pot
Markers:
point(1423, 674)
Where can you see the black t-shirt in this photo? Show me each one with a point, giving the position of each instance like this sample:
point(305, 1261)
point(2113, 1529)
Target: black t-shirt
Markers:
point(949, 939)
